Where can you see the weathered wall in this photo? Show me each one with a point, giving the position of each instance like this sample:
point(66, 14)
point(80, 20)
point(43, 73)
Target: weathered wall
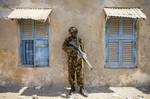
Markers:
point(88, 17)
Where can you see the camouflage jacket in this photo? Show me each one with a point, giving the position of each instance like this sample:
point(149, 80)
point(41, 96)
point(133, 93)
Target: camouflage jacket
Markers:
point(68, 49)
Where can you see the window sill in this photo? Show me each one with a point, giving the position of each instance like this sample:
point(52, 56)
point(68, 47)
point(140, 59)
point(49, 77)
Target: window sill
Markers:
point(31, 66)
point(123, 67)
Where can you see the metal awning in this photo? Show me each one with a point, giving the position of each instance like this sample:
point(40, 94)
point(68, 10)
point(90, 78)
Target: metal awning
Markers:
point(124, 12)
point(30, 13)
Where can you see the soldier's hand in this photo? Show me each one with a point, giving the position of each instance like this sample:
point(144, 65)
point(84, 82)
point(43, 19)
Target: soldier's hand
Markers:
point(84, 55)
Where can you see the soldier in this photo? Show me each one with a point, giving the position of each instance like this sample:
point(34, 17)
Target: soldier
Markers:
point(75, 62)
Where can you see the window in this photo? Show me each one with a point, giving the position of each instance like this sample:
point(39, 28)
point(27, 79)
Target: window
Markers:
point(120, 43)
point(34, 46)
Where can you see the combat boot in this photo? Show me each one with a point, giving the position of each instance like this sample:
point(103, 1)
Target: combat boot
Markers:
point(72, 89)
point(83, 92)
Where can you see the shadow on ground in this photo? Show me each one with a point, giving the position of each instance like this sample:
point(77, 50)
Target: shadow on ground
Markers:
point(144, 89)
point(10, 88)
point(57, 91)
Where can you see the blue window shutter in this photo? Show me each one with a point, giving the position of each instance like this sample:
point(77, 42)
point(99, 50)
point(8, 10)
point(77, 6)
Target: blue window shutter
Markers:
point(128, 53)
point(129, 47)
point(113, 50)
point(22, 51)
point(120, 42)
point(113, 25)
point(34, 45)
point(27, 29)
point(28, 51)
point(41, 52)
point(26, 42)
point(41, 29)
point(112, 44)
point(21, 44)
point(120, 36)
point(41, 44)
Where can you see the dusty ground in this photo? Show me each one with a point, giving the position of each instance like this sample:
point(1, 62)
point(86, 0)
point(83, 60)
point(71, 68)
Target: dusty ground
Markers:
point(12, 92)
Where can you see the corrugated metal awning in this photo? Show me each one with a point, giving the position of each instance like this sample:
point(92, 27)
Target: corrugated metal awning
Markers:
point(124, 12)
point(30, 13)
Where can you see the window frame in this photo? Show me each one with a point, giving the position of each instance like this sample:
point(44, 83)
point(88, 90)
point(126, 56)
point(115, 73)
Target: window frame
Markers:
point(34, 38)
point(121, 28)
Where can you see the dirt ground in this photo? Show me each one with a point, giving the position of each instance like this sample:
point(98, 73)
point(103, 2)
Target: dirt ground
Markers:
point(20, 92)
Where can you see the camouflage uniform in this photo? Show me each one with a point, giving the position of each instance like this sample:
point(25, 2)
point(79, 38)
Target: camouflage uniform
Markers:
point(75, 62)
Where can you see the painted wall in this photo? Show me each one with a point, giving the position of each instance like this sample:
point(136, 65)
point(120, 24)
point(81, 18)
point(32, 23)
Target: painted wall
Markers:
point(88, 17)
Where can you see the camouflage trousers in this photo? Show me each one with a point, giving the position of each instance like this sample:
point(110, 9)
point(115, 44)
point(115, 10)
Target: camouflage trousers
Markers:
point(75, 70)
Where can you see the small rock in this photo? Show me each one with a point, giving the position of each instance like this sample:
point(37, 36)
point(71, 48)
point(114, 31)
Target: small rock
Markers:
point(35, 97)
point(140, 97)
point(38, 87)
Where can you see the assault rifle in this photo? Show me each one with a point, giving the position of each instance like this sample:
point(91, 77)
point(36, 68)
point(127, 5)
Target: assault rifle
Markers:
point(82, 54)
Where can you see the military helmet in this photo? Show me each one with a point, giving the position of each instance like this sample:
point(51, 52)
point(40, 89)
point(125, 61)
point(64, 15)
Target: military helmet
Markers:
point(72, 30)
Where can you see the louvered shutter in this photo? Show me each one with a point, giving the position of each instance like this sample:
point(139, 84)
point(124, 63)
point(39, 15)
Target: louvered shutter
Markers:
point(41, 53)
point(127, 26)
point(120, 42)
point(27, 44)
point(113, 26)
point(112, 44)
point(40, 28)
point(41, 44)
point(128, 44)
point(128, 51)
point(113, 56)
point(27, 29)
point(27, 52)
point(34, 43)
